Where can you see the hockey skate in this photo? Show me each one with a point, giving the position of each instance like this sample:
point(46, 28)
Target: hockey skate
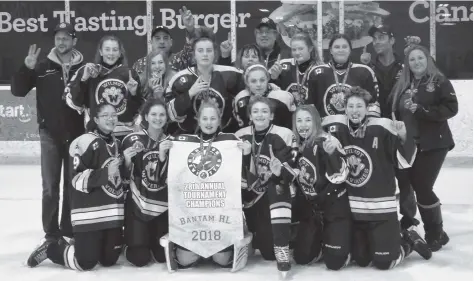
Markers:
point(417, 243)
point(282, 255)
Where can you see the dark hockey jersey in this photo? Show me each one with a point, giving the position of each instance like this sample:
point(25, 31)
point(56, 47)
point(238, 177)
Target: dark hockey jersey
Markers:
point(226, 83)
point(316, 169)
point(256, 173)
point(97, 200)
point(328, 97)
point(110, 87)
point(285, 106)
point(148, 177)
point(294, 81)
point(372, 153)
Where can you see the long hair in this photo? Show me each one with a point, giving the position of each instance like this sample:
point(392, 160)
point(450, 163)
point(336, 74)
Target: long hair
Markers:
point(145, 110)
point(403, 83)
point(250, 48)
point(148, 72)
point(314, 56)
point(123, 55)
point(317, 129)
point(340, 36)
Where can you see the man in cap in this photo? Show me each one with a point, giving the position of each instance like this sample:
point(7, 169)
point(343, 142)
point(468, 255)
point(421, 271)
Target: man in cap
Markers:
point(58, 124)
point(388, 66)
point(161, 40)
point(266, 35)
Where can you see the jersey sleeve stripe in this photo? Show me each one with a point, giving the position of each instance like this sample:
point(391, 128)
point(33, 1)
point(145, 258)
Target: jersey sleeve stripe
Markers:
point(81, 180)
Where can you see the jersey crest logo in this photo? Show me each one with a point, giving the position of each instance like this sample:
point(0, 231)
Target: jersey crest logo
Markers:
point(150, 176)
point(263, 172)
point(307, 176)
point(334, 99)
point(209, 94)
point(360, 166)
point(299, 93)
point(112, 91)
point(205, 163)
point(114, 187)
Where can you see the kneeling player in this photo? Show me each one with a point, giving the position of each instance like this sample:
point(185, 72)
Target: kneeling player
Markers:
point(320, 198)
point(96, 200)
point(146, 217)
point(373, 146)
point(209, 123)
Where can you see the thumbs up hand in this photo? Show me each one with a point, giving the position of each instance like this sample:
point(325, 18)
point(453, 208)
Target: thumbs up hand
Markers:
point(275, 163)
point(365, 57)
point(132, 84)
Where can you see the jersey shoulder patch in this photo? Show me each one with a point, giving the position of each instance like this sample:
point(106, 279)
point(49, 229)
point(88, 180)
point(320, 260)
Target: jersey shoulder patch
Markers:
point(82, 143)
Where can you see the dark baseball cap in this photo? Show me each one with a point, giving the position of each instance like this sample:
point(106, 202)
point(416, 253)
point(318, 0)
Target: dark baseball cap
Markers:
point(268, 22)
point(384, 29)
point(66, 27)
point(160, 28)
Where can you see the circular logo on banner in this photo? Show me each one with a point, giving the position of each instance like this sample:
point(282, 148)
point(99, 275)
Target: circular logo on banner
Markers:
point(264, 173)
point(307, 176)
point(112, 91)
point(151, 168)
point(360, 166)
point(334, 99)
point(209, 94)
point(205, 164)
point(113, 188)
point(300, 94)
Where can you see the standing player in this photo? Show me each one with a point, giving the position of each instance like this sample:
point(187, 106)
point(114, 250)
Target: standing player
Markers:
point(108, 80)
point(206, 80)
point(146, 216)
point(266, 183)
point(292, 74)
point(96, 200)
point(373, 147)
point(328, 82)
point(256, 79)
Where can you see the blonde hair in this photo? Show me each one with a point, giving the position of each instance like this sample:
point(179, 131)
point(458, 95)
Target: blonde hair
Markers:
point(317, 129)
point(403, 83)
point(208, 103)
point(314, 56)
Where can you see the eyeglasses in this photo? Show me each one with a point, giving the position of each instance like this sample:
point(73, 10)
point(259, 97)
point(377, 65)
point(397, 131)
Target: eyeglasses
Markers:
point(109, 116)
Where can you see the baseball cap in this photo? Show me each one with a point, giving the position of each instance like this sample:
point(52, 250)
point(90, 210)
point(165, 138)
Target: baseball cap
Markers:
point(268, 22)
point(160, 28)
point(384, 29)
point(66, 27)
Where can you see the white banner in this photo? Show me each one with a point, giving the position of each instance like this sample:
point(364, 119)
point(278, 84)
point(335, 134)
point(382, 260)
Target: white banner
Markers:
point(204, 196)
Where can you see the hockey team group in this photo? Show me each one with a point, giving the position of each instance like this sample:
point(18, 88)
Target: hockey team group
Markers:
point(324, 145)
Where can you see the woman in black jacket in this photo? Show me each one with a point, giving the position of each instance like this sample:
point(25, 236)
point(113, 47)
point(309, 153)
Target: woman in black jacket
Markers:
point(425, 99)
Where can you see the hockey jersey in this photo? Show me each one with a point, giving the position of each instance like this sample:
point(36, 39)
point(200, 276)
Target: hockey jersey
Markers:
point(226, 83)
point(256, 173)
point(328, 95)
point(148, 176)
point(292, 80)
point(285, 106)
point(109, 86)
point(372, 153)
point(97, 200)
point(316, 169)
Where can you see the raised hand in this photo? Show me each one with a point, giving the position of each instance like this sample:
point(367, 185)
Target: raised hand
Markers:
point(365, 57)
point(226, 47)
point(275, 163)
point(32, 58)
point(275, 70)
point(187, 18)
point(132, 84)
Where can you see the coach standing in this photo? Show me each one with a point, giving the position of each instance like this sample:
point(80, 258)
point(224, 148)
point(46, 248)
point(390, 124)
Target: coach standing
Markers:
point(58, 124)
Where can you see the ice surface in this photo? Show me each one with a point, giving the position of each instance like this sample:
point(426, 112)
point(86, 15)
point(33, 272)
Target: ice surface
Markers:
point(21, 230)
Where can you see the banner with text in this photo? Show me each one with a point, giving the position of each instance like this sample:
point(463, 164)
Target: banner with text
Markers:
point(204, 195)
